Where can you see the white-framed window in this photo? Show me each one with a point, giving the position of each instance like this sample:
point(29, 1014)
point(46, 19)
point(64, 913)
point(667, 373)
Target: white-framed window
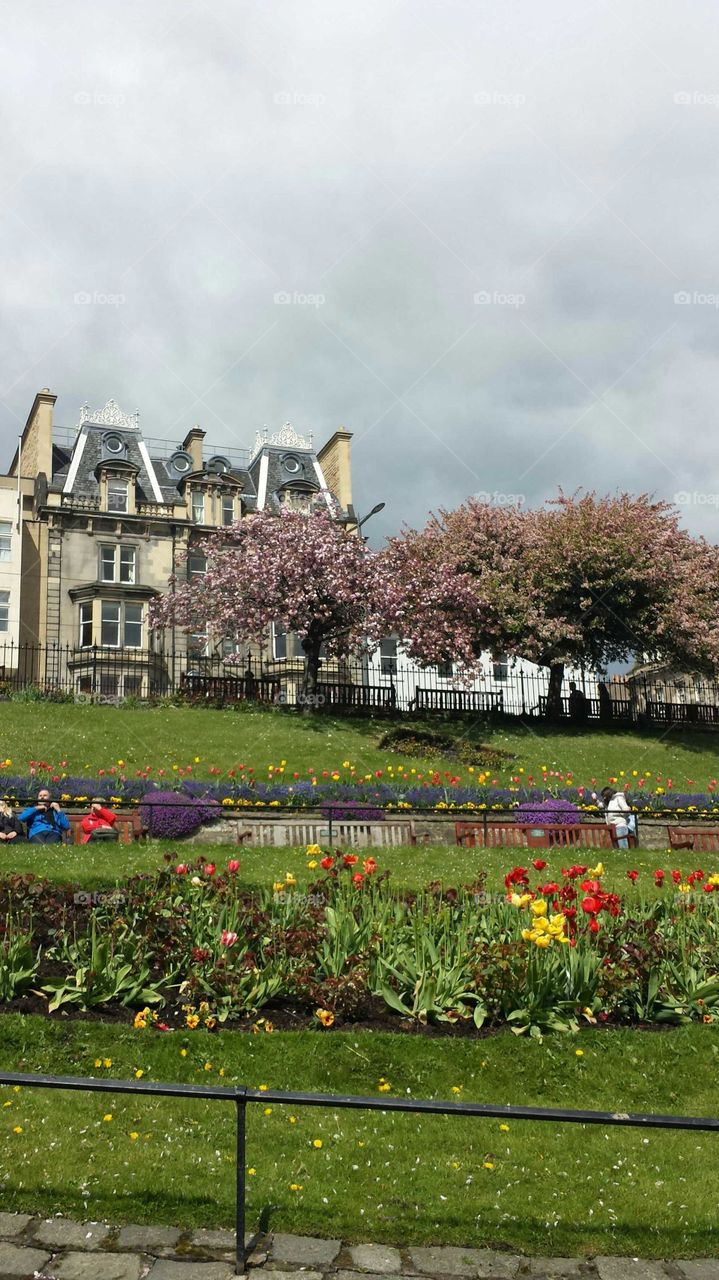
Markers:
point(117, 495)
point(196, 564)
point(228, 509)
point(198, 507)
point(121, 624)
point(500, 667)
point(297, 500)
point(5, 539)
point(118, 564)
point(198, 644)
point(85, 626)
point(279, 641)
point(4, 610)
point(388, 656)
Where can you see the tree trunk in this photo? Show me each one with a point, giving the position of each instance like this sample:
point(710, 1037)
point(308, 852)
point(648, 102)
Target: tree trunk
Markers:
point(554, 691)
point(309, 699)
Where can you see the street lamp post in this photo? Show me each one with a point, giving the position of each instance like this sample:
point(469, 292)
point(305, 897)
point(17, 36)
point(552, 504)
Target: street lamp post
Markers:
point(379, 507)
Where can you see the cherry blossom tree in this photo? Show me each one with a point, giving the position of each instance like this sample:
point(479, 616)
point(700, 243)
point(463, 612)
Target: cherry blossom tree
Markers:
point(583, 581)
point(303, 572)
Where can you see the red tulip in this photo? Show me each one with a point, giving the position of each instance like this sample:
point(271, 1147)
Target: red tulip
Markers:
point(591, 905)
point(327, 862)
point(632, 875)
point(182, 869)
point(233, 865)
point(593, 925)
point(349, 859)
point(677, 877)
point(209, 868)
point(539, 864)
point(357, 878)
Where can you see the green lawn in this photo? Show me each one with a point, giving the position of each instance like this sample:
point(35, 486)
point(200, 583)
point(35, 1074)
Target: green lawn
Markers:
point(551, 1189)
point(99, 866)
point(89, 738)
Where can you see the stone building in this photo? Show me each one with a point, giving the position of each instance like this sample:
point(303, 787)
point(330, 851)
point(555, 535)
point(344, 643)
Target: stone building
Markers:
point(109, 515)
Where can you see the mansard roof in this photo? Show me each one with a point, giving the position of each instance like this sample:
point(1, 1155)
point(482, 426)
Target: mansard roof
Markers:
point(278, 461)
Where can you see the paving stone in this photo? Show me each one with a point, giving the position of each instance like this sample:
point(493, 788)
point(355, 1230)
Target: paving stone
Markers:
point(17, 1263)
point(157, 1240)
point(355, 1275)
point(98, 1266)
point(376, 1257)
point(63, 1233)
point(218, 1240)
point(483, 1264)
point(304, 1251)
point(629, 1269)
point(13, 1224)
point(556, 1268)
point(164, 1270)
point(270, 1272)
point(699, 1269)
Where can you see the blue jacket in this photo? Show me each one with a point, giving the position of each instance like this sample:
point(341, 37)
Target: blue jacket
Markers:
point(37, 821)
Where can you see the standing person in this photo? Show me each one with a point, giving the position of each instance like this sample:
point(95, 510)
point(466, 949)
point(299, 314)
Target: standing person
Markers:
point(99, 823)
point(45, 821)
point(617, 814)
point(606, 710)
point(578, 705)
point(10, 829)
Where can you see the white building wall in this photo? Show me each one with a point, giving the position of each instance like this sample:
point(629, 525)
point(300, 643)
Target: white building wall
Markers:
point(519, 682)
point(10, 574)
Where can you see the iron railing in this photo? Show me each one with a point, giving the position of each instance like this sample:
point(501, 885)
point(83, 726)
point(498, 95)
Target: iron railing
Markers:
point(374, 685)
point(242, 1097)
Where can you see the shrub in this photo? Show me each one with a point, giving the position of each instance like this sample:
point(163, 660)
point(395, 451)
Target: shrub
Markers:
point(551, 810)
point(169, 815)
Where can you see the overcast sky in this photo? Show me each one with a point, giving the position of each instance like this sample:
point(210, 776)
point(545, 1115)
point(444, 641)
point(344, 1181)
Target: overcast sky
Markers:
point(481, 214)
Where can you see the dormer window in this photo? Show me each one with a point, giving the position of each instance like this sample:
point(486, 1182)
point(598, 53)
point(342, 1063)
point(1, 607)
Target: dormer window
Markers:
point(117, 496)
point(296, 500)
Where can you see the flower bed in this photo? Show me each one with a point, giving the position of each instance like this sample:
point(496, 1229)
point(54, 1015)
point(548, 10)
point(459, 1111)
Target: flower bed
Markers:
point(349, 793)
point(189, 949)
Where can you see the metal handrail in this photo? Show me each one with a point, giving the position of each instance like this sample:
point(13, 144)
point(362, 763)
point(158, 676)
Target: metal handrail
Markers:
point(241, 1096)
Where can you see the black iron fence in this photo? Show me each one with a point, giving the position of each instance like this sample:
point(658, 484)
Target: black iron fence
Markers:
point(376, 685)
point(242, 1097)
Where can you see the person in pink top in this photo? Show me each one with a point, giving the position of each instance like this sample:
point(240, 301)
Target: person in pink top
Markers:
point(99, 824)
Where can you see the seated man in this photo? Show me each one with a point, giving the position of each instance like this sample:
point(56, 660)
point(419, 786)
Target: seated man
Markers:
point(99, 823)
point(10, 829)
point(45, 821)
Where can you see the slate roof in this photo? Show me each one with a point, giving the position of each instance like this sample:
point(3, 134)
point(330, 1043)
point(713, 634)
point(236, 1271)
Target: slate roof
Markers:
point(285, 466)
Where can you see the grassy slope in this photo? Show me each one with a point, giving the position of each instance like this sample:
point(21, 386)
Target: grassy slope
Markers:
point(90, 738)
point(553, 1189)
point(559, 1190)
point(98, 866)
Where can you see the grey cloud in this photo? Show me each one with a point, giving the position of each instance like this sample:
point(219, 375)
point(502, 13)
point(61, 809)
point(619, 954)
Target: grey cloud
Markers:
point(397, 159)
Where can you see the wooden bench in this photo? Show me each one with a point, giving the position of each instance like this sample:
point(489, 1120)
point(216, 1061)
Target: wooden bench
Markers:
point(497, 835)
point(355, 835)
point(700, 839)
point(128, 826)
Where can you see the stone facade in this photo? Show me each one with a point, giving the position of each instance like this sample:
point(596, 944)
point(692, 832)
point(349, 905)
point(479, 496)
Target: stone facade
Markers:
point(109, 516)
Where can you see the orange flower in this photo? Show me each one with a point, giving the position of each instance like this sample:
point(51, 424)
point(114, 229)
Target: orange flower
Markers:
point(325, 1016)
